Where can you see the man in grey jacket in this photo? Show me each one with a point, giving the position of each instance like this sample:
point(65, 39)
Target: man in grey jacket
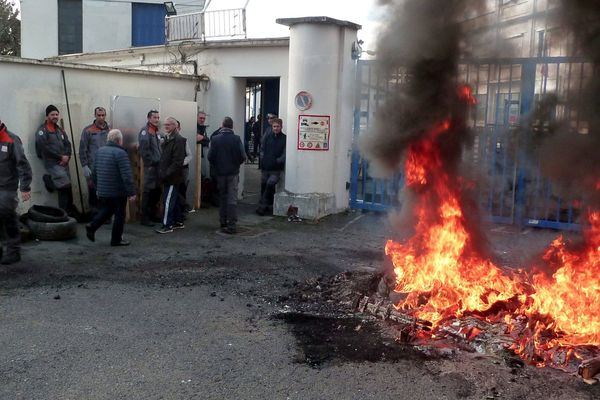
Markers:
point(113, 180)
point(15, 173)
point(149, 142)
point(53, 147)
point(93, 137)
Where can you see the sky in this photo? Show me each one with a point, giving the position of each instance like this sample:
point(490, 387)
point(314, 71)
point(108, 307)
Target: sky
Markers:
point(261, 14)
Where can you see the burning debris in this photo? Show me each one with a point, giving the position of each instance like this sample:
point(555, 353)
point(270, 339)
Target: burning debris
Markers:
point(449, 283)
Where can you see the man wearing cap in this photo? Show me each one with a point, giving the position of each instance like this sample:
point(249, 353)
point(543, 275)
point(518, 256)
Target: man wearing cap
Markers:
point(53, 147)
point(15, 173)
point(92, 138)
point(149, 142)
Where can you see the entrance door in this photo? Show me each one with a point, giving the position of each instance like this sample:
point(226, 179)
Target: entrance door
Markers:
point(262, 98)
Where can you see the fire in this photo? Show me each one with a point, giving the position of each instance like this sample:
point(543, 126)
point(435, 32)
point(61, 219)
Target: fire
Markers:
point(439, 263)
point(571, 297)
point(444, 275)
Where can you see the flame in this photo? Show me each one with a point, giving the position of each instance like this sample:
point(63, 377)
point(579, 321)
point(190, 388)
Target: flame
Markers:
point(439, 261)
point(444, 275)
point(571, 296)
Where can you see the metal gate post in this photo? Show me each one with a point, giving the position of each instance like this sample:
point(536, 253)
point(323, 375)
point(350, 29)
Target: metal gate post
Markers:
point(527, 101)
point(355, 167)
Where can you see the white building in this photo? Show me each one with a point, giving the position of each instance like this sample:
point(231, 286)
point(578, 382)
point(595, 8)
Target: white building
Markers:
point(54, 27)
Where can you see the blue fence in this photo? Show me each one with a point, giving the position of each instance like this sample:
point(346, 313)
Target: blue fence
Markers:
point(512, 188)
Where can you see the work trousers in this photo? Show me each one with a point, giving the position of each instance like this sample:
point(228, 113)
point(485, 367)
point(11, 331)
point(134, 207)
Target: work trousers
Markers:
point(92, 196)
point(228, 192)
point(65, 199)
point(268, 186)
point(150, 201)
point(9, 222)
point(110, 206)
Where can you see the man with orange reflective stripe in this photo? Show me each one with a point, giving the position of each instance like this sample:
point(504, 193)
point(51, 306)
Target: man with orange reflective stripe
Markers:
point(15, 173)
point(53, 147)
point(149, 142)
point(93, 137)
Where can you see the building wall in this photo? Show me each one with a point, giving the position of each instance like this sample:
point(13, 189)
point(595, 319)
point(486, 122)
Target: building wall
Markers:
point(227, 68)
point(39, 28)
point(28, 87)
point(106, 26)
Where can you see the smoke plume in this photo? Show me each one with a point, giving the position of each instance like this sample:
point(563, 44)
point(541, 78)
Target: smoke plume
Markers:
point(568, 151)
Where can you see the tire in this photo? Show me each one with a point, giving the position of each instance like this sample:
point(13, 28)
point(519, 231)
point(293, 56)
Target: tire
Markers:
point(54, 230)
point(47, 214)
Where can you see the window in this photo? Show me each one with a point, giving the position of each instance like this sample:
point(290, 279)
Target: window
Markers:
point(70, 39)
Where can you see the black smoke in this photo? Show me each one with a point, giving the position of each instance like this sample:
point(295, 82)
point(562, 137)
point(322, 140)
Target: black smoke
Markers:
point(569, 153)
point(422, 39)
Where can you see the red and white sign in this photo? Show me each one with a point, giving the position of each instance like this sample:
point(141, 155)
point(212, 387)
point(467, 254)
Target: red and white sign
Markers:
point(314, 132)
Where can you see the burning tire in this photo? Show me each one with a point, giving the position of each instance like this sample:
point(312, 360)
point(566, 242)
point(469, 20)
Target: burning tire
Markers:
point(53, 230)
point(47, 214)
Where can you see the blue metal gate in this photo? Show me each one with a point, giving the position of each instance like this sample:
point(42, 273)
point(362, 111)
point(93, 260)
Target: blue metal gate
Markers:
point(512, 188)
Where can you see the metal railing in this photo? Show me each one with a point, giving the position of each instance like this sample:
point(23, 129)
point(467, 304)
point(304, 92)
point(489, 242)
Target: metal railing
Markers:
point(206, 25)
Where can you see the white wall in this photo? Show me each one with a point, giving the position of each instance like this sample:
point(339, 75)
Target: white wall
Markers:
point(221, 64)
point(39, 28)
point(227, 67)
point(106, 25)
point(28, 87)
point(321, 63)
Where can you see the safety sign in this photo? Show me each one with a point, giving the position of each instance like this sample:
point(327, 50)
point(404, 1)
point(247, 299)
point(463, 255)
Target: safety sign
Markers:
point(314, 132)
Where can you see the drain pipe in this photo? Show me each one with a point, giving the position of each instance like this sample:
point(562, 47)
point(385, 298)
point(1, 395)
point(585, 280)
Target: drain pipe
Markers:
point(73, 141)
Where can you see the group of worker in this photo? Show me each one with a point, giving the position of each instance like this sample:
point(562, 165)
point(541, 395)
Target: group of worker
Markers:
point(105, 164)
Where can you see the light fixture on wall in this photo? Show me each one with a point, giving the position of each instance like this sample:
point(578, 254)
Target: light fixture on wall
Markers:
point(170, 8)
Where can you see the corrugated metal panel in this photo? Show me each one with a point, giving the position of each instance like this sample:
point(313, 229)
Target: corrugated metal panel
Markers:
point(70, 17)
point(148, 24)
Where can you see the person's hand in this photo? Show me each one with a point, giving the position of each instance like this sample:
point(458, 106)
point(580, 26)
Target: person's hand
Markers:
point(131, 198)
point(64, 160)
point(199, 137)
point(25, 196)
point(87, 171)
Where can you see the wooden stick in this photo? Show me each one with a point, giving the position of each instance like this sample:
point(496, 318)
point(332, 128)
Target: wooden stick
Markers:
point(198, 178)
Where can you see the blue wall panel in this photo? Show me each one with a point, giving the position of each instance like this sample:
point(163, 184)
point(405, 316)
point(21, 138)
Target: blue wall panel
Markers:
point(148, 24)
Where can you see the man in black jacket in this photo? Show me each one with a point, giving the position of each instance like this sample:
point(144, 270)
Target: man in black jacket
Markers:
point(15, 173)
point(226, 154)
point(272, 164)
point(170, 172)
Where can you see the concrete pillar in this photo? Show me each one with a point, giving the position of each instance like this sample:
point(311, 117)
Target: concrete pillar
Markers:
point(322, 68)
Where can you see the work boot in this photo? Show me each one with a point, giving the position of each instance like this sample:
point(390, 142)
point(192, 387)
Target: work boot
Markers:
point(90, 233)
point(230, 230)
point(11, 259)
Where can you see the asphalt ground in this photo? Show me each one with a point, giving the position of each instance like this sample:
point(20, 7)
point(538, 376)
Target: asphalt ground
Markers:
point(197, 314)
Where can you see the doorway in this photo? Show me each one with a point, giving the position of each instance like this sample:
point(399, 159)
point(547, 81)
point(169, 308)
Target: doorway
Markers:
point(261, 98)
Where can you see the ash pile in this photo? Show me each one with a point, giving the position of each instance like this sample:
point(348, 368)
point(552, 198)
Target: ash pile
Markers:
point(369, 297)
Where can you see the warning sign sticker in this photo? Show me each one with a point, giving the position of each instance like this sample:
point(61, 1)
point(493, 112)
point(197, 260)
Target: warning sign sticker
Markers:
point(314, 132)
